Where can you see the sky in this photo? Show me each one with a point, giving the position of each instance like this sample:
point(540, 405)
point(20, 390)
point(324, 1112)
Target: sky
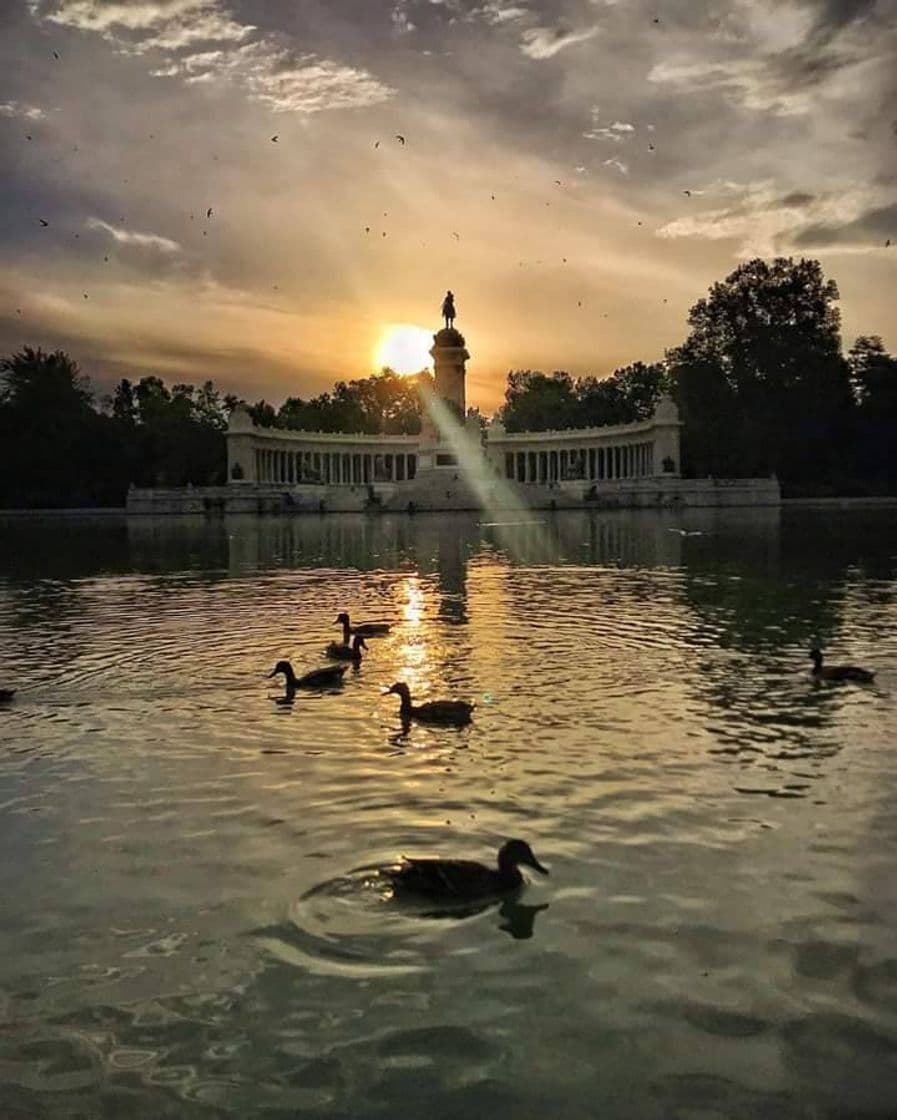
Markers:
point(547, 150)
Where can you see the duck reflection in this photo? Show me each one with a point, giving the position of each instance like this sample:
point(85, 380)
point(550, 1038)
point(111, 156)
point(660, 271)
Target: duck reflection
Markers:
point(517, 919)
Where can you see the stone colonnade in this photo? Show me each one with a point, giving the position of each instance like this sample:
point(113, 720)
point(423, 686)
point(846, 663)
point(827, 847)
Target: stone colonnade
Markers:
point(332, 468)
point(628, 460)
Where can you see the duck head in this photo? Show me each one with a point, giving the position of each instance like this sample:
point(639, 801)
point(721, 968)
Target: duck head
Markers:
point(515, 852)
point(282, 667)
point(400, 689)
point(342, 619)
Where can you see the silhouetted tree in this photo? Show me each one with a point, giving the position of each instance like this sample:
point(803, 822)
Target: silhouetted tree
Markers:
point(763, 365)
point(873, 375)
point(536, 402)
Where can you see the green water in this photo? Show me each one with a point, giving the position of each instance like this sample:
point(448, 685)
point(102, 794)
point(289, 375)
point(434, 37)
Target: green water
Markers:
point(184, 931)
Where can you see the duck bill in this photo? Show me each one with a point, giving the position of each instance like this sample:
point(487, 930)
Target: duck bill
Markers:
point(273, 673)
point(538, 867)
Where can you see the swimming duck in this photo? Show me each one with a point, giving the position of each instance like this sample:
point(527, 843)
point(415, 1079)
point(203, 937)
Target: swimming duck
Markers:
point(464, 878)
point(342, 651)
point(365, 629)
point(434, 711)
point(838, 672)
point(317, 678)
point(6, 695)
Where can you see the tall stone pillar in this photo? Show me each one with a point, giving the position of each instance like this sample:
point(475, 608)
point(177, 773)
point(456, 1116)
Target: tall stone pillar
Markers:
point(242, 461)
point(667, 428)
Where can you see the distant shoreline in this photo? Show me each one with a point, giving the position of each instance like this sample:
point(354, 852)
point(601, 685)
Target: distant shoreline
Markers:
point(826, 503)
point(869, 502)
point(77, 511)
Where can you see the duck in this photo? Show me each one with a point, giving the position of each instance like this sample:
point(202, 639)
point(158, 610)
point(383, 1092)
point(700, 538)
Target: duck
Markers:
point(464, 879)
point(6, 695)
point(317, 678)
point(838, 672)
point(365, 629)
point(342, 651)
point(455, 712)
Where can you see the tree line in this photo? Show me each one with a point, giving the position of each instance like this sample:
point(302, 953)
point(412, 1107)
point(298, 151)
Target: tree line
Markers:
point(761, 382)
point(762, 386)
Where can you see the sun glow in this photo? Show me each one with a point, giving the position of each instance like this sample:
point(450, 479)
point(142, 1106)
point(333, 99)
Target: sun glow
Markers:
point(404, 348)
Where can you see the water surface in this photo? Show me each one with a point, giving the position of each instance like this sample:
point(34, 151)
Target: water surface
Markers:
point(183, 932)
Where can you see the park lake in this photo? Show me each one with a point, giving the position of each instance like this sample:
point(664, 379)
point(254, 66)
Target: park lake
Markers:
point(188, 927)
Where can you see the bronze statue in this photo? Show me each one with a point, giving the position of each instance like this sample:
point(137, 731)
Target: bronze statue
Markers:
point(448, 310)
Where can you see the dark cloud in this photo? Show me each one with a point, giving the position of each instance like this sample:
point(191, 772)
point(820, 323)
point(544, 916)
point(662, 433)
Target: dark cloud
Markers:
point(869, 229)
point(838, 13)
point(796, 198)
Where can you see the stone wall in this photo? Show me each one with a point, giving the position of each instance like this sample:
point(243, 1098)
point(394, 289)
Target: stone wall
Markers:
point(450, 491)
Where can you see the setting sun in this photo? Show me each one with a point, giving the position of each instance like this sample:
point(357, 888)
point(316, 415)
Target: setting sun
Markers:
point(404, 348)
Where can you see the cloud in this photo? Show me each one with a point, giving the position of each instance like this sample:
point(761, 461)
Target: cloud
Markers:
point(867, 230)
point(497, 12)
point(263, 65)
point(400, 19)
point(797, 198)
point(618, 131)
point(764, 223)
point(276, 78)
point(618, 165)
point(748, 82)
point(132, 237)
point(102, 16)
point(545, 42)
point(17, 109)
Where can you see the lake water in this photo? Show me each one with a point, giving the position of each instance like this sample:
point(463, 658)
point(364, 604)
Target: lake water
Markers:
point(184, 931)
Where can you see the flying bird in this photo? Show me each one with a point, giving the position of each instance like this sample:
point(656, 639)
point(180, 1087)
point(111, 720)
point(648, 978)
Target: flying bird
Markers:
point(888, 243)
point(650, 147)
point(492, 196)
point(56, 54)
point(85, 295)
point(367, 229)
point(400, 138)
point(457, 236)
point(209, 212)
point(687, 193)
point(274, 138)
point(557, 182)
point(27, 137)
point(44, 223)
point(376, 143)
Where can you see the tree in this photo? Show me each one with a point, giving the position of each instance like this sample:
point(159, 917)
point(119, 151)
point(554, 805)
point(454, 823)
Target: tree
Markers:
point(873, 375)
point(535, 402)
point(55, 448)
point(763, 363)
point(631, 393)
point(263, 414)
point(124, 403)
point(37, 382)
point(383, 404)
